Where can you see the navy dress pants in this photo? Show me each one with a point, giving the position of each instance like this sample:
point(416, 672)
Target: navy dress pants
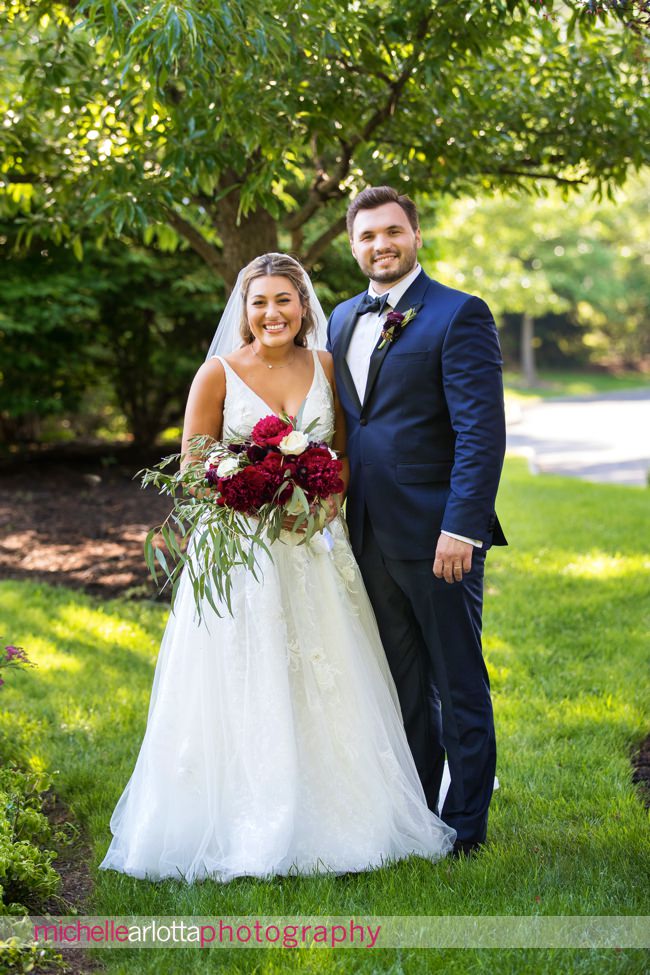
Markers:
point(431, 632)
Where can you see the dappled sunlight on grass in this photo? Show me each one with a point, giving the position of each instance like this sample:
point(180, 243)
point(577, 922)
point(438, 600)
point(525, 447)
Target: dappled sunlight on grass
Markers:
point(84, 705)
point(104, 628)
point(599, 565)
point(579, 719)
point(60, 665)
point(59, 618)
point(568, 562)
point(496, 650)
point(498, 657)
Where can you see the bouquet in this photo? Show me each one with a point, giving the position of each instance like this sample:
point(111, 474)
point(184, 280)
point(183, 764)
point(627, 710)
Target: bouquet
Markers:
point(230, 502)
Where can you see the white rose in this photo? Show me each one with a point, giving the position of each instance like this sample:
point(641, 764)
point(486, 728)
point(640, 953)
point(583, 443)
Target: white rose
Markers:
point(294, 443)
point(228, 467)
point(213, 460)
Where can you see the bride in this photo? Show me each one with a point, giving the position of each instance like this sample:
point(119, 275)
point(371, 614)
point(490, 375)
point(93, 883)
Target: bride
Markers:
point(274, 741)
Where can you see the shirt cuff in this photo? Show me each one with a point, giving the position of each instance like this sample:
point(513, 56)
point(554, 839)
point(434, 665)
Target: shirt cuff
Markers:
point(476, 542)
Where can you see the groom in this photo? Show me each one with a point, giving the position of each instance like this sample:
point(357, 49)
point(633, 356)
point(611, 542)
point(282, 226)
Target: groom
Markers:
point(418, 370)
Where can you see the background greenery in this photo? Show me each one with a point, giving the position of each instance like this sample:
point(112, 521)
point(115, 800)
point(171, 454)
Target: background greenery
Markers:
point(108, 346)
point(148, 151)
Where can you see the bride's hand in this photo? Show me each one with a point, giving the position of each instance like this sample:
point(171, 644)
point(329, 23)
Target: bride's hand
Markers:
point(289, 521)
point(328, 509)
point(332, 507)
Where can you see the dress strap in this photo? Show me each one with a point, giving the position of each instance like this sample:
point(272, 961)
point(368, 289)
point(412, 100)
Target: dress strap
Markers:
point(318, 366)
point(228, 369)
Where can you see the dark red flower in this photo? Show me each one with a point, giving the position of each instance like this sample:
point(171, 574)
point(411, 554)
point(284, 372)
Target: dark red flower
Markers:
point(255, 453)
point(394, 318)
point(212, 477)
point(318, 473)
point(269, 431)
point(393, 326)
point(245, 491)
point(275, 468)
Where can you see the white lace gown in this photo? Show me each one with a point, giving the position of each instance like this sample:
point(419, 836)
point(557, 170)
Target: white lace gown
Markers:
point(274, 741)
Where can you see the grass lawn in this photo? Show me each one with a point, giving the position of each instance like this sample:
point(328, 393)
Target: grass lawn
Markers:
point(565, 640)
point(560, 383)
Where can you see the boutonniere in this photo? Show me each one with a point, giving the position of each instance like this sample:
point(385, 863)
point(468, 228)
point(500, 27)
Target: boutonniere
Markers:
point(396, 322)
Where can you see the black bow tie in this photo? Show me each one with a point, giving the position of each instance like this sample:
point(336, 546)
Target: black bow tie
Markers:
point(369, 304)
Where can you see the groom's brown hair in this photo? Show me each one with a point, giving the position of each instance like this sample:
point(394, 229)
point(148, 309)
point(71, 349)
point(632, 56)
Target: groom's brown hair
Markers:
point(375, 196)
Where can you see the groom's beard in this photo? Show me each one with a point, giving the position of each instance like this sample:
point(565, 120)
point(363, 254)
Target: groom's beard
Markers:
point(406, 261)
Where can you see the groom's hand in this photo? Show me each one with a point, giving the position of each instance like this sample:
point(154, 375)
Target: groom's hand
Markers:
point(453, 558)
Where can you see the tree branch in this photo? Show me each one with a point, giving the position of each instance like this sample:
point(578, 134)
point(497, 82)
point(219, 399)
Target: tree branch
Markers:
point(196, 240)
point(11, 177)
point(527, 174)
point(357, 69)
point(327, 188)
point(322, 243)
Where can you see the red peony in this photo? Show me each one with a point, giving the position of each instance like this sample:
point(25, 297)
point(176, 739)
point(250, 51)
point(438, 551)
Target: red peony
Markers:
point(245, 491)
point(274, 467)
point(318, 473)
point(269, 431)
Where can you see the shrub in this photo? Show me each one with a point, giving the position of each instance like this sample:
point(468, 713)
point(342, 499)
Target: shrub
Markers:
point(27, 878)
point(19, 957)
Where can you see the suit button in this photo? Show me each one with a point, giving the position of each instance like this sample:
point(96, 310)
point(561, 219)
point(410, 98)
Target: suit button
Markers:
point(363, 422)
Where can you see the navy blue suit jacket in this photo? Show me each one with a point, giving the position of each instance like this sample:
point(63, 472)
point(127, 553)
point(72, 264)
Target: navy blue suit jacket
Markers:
point(426, 446)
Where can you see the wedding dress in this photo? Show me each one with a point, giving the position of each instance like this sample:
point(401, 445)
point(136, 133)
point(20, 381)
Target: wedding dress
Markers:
point(274, 742)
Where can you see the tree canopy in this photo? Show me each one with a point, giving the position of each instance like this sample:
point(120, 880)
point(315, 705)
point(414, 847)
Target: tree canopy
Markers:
point(238, 127)
point(582, 262)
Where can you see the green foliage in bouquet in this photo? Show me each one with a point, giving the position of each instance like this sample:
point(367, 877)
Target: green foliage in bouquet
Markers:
point(209, 537)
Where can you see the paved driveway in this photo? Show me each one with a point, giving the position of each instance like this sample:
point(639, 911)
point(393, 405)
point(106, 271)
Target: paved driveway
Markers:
point(602, 438)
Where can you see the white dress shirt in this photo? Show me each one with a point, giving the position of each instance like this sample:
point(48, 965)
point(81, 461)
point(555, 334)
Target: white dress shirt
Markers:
point(368, 329)
point(364, 339)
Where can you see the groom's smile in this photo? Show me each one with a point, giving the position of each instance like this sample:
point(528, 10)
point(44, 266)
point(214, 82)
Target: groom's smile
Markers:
point(385, 259)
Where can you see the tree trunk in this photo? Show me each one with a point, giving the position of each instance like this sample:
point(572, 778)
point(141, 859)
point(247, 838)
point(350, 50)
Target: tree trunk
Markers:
point(255, 234)
point(528, 369)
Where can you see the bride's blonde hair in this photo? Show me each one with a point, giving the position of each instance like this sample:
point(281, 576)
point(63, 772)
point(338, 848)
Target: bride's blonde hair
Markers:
point(286, 267)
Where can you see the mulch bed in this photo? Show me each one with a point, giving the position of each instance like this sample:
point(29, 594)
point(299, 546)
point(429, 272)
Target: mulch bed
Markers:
point(79, 520)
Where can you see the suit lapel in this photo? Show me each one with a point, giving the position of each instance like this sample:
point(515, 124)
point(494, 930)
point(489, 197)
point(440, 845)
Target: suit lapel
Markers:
point(340, 352)
point(412, 298)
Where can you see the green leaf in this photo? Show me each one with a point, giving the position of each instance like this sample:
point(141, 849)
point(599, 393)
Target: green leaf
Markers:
point(149, 553)
point(160, 558)
point(77, 247)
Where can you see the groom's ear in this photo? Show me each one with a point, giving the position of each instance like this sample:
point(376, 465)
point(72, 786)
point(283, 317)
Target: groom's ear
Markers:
point(418, 238)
